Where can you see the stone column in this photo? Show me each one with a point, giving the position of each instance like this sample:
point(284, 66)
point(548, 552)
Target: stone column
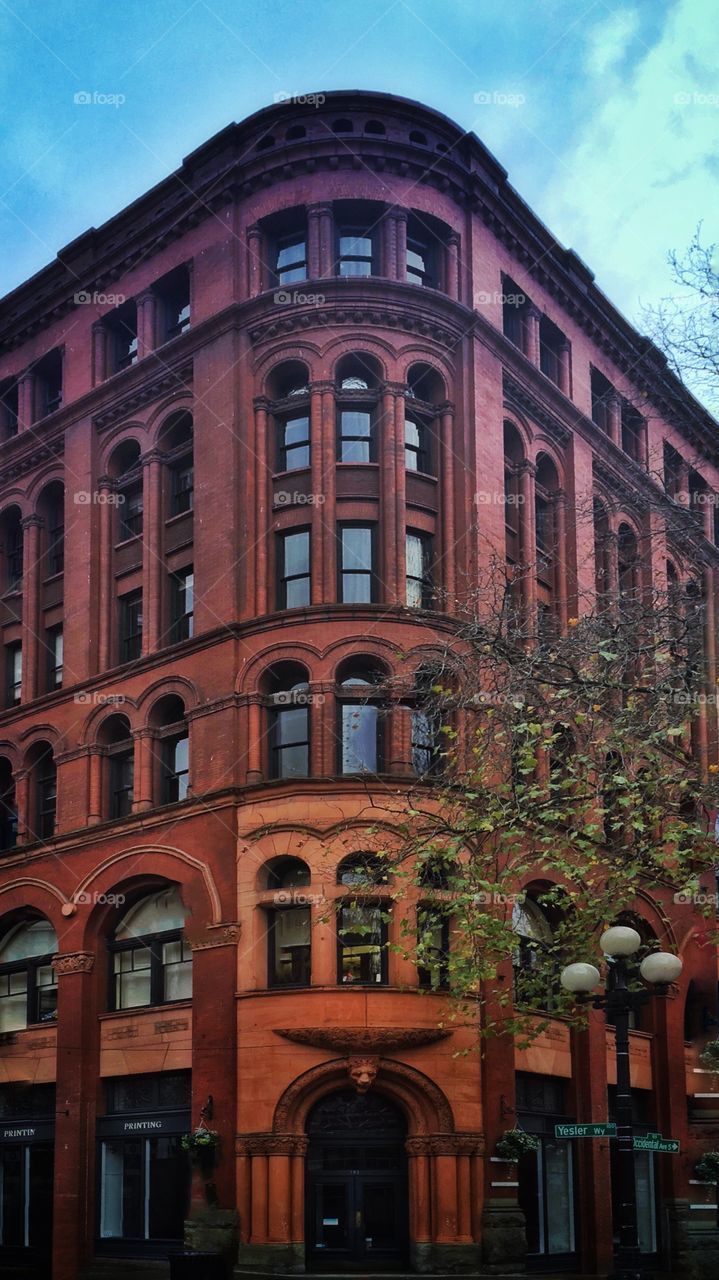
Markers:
point(328, 488)
point(327, 246)
point(565, 368)
point(144, 770)
point(100, 352)
point(447, 514)
point(400, 496)
point(153, 559)
point(399, 217)
point(528, 539)
point(77, 1074)
point(94, 809)
point(560, 575)
point(262, 508)
point(254, 261)
point(31, 578)
point(255, 754)
point(317, 541)
point(148, 336)
point(614, 417)
point(388, 498)
point(279, 1193)
point(23, 802)
point(106, 517)
point(25, 401)
point(313, 241)
point(452, 260)
point(532, 317)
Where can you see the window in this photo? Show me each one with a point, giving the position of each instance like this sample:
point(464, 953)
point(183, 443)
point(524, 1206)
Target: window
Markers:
point(182, 491)
point(356, 441)
point(173, 295)
point(28, 985)
point(422, 254)
point(9, 409)
point(426, 746)
point(8, 807)
point(534, 967)
point(182, 588)
point(416, 445)
point(515, 313)
point(130, 626)
point(122, 337)
point(290, 732)
point(355, 252)
point(357, 563)
point(151, 962)
point(294, 569)
point(674, 468)
point(56, 535)
point(13, 545)
point(13, 673)
point(289, 936)
point(175, 760)
point(54, 651)
point(361, 737)
point(432, 949)
point(45, 780)
point(291, 259)
point(48, 384)
point(419, 570)
point(122, 780)
point(130, 511)
point(551, 346)
point(632, 429)
point(602, 390)
point(362, 944)
point(294, 442)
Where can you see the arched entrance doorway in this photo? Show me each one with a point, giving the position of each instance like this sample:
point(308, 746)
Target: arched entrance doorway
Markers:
point(356, 1183)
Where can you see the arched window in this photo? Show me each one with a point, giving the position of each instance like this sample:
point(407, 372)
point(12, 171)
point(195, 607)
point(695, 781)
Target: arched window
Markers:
point(342, 126)
point(11, 539)
point(425, 391)
point(8, 807)
point(362, 924)
point(28, 985)
point(546, 486)
point(151, 963)
point(124, 467)
point(358, 379)
point(43, 792)
point(289, 388)
point(287, 692)
point(172, 749)
point(289, 924)
point(51, 508)
point(361, 737)
point(534, 976)
point(119, 752)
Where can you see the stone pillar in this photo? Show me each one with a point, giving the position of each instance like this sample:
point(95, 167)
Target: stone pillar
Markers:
point(327, 245)
point(313, 241)
point(153, 559)
point(105, 582)
point(148, 336)
point(328, 488)
point(100, 352)
point(94, 808)
point(614, 417)
point(25, 401)
point(23, 801)
point(560, 575)
point(32, 566)
point(400, 496)
point(254, 261)
point(262, 508)
point(388, 231)
point(528, 540)
point(278, 1197)
point(77, 1073)
point(144, 770)
point(317, 541)
point(589, 1084)
point(400, 269)
point(447, 513)
point(452, 261)
point(388, 498)
point(255, 712)
point(532, 317)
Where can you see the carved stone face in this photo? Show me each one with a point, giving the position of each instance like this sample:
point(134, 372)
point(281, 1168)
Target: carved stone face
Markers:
point(362, 1073)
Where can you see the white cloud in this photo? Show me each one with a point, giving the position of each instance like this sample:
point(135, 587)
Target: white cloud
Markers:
point(609, 41)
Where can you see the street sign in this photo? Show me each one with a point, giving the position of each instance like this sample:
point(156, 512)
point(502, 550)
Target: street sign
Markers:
point(608, 1130)
point(655, 1142)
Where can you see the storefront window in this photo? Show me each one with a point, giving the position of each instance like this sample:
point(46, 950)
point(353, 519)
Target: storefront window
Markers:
point(27, 1115)
point(546, 1176)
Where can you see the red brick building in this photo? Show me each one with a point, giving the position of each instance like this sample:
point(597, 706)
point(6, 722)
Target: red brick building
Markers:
point(248, 427)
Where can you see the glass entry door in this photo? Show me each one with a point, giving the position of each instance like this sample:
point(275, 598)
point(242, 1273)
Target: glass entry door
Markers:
point(26, 1171)
point(546, 1195)
point(357, 1218)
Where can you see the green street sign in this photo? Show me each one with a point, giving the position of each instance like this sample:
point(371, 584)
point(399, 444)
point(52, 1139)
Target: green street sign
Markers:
point(607, 1130)
point(654, 1142)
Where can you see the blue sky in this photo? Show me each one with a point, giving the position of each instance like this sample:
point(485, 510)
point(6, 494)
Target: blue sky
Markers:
point(605, 112)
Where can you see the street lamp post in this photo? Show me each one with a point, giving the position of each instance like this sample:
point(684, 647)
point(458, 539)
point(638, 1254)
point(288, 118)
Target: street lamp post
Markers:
point(660, 968)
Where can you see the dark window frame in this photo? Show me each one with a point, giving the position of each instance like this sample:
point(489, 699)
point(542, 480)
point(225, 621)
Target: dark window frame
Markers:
point(283, 578)
point(52, 634)
point(360, 903)
point(272, 981)
point(182, 619)
point(152, 942)
point(120, 779)
point(276, 747)
point(130, 639)
point(13, 684)
point(30, 966)
point(365, 403)
point(283, 420)
point(356, 232)
point(369, 573)
point(173, 780)
point(426, 580)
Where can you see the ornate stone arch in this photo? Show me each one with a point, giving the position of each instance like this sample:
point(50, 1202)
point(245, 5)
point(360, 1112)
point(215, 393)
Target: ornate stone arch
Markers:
point(423, 1103)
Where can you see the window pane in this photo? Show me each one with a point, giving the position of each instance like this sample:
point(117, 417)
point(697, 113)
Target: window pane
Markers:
point(177, 965)
point(297, 554)
point(298, 593)
point(357, 548)
point(356, 423)
point(361, 936)
point(291, 254)
point(132, 978)
point(290, 950)
point(359, 738)
point(13, 1001)
point(356, 246)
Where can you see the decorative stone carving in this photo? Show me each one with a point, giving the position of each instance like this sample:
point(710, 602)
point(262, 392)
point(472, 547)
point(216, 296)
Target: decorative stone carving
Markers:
point(355, 1039)
point(363, 1072)
point(446, 1144)
point(420, 1091)
point(218, 935)
point(271, 1144)
point(73, 962)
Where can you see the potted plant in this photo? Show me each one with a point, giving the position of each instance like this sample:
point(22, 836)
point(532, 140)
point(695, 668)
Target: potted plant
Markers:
point(515, 1143)
point(709, 1055)
point(202, 1144)
point(708, 1167)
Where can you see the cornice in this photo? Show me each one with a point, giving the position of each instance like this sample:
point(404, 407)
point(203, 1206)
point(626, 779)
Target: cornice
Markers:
point(370, 1040)
point(519, 395)
point(170, 379)
point(33, 457)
